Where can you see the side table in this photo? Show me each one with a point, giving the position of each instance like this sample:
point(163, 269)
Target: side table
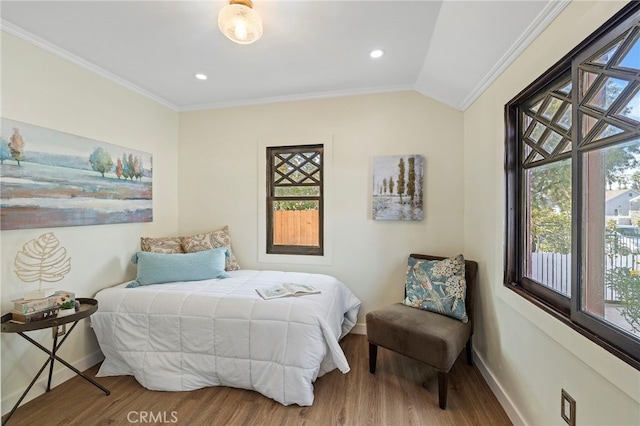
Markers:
point(87, 308)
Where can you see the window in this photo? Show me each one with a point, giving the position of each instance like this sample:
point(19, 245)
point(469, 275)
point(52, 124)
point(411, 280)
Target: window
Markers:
point(294, 204)
point(572, 176)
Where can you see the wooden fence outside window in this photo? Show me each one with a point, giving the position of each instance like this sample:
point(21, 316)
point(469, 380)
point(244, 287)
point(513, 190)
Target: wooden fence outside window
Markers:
point(296, 228)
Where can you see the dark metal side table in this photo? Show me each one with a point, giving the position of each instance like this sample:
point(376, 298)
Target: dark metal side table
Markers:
point(87, 308)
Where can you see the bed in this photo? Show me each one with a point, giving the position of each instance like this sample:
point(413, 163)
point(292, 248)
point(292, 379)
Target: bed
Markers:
point(219, 332)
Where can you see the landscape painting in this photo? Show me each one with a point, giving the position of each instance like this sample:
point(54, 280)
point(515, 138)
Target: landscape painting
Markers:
point(397, 187)
point(52, 179)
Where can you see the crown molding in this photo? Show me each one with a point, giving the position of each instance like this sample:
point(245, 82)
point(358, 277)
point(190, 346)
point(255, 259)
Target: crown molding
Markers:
point(33, 39)
point(546, 16)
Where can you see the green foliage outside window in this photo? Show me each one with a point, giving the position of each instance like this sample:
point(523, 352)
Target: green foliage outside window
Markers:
point(550, 205)
point(298, 191)
point(617, 161)
point(623, 280)
point(550, 231)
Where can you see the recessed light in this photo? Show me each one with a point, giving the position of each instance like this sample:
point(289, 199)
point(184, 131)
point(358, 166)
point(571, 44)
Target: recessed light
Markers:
point(376, 53)
point(201, 76)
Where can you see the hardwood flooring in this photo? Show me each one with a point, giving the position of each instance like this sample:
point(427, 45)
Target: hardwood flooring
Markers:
point(395, 395)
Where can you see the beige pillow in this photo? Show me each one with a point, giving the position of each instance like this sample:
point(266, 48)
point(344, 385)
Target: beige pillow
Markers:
point(211, 240)
point(161, 245)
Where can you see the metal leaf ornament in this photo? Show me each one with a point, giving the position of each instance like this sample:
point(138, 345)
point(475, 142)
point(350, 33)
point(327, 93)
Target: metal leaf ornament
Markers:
point(42, 259)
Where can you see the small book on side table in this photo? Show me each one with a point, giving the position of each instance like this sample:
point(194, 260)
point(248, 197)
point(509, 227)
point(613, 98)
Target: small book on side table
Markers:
point(286, 289)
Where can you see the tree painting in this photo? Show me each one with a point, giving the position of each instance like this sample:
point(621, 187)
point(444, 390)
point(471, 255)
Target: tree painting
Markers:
point(16, 146)
point(128, 166)
point(400, 177)
point(411, 181)
point(119, 168)
point(69, 180)
point(5, 151)
point(101, 161)
point(136, 168)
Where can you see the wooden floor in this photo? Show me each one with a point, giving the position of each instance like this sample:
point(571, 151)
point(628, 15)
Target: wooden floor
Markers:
point(395, 395)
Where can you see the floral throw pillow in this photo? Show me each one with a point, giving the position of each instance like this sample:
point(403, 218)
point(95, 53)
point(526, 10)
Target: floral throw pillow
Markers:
point(437, 286)
point(211, 240)
point(167, 245)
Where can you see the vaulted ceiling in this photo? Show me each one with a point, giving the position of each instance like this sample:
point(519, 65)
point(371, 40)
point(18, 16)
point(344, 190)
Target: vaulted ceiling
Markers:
point(448, 50)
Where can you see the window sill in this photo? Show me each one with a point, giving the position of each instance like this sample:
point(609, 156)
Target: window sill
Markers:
point(296, 259)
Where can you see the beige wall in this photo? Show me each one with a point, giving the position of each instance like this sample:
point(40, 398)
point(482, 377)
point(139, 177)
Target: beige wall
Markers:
point(531, 355)
point(45, 90)
point(219, 182)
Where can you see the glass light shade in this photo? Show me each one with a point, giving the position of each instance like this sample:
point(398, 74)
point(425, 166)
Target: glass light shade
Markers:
point(240, 23)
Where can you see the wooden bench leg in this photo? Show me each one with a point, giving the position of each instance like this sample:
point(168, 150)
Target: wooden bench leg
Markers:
point(443, 382)
point(373, 356)
point(469, 352)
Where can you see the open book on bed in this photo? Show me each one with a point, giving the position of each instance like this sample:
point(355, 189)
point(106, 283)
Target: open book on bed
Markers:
point(286, 289)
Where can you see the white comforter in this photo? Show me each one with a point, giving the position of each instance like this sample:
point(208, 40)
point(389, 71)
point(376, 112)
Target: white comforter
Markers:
point(190, 335)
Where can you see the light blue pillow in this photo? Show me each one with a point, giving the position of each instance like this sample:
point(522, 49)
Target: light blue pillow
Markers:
point(437, 286)
point(160, 268)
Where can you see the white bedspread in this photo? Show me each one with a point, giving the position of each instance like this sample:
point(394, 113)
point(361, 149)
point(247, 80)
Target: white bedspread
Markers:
point(190, 335)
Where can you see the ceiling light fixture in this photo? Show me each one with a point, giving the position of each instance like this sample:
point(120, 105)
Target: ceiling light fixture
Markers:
point(239, 22)
point(376, 53)
point(201, 76)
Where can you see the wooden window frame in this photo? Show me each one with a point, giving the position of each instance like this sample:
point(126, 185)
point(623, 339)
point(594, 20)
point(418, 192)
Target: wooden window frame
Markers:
point(272, 248)
point(567, 310)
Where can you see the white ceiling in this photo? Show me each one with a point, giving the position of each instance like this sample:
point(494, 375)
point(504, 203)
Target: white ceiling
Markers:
point(448, 50)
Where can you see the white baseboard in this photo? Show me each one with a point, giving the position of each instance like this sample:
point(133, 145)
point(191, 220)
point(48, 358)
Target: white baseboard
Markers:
point(359, 329)
point(512, 412)
point(61, 375)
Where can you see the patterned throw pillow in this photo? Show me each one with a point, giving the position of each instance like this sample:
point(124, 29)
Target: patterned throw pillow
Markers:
point(166, 245)
point(211, 240)
point(437, 286)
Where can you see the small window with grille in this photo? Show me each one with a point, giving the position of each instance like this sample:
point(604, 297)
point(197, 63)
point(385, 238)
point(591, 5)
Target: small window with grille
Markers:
point(294, 205)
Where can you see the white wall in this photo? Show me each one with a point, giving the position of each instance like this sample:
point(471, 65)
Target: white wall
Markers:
point(218, 181)
point(42, 89)
point(530, 354)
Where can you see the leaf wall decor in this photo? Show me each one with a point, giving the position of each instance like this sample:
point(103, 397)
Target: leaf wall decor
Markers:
point(42, 259)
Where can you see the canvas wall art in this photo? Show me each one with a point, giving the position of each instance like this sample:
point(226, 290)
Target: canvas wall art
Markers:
point(51, 179)
point(398, 187)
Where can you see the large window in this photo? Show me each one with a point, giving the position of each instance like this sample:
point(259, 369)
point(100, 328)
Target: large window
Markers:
point(573, 188)
point(295, 200)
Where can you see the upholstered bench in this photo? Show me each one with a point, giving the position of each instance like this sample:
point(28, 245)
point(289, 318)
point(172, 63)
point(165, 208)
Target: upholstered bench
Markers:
point(429, 337)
